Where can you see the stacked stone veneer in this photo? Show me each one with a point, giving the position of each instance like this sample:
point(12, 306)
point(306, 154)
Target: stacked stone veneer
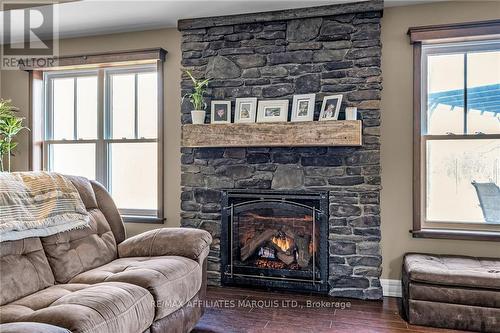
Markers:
point(274, 59)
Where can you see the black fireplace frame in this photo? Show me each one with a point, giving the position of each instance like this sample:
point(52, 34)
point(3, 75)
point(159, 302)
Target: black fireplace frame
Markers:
point(317, 283)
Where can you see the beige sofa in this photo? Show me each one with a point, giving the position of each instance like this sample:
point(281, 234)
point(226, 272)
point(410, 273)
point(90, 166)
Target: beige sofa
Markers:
point(95, 280)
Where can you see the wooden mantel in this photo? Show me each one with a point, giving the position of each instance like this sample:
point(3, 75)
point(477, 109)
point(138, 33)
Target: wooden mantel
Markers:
point(290, 134)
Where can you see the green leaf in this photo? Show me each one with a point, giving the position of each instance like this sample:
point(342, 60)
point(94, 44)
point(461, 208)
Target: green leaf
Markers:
point(199, 89)
point(10, 126)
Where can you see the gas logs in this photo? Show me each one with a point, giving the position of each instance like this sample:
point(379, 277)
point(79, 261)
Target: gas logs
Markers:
point(284, 247)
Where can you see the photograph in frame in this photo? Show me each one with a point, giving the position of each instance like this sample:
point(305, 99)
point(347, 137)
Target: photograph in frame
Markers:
point(245, 110)
point(330, 108)
point(220, 112)
point(303, 107)
point(272, 111)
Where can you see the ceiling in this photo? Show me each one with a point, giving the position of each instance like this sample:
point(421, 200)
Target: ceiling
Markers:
point(97, 17)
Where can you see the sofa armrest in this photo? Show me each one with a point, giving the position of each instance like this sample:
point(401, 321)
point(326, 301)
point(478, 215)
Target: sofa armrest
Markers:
point(184, 242)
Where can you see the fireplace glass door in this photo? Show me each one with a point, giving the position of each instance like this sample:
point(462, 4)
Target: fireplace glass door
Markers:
point(274, 237)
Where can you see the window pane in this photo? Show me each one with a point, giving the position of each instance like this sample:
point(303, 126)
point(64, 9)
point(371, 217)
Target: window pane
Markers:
point(463, 178)
point(123, 105)
point(147, 105)
point(86, 105)
point(445, 94)
point(483, 92)
point(74, 159)
point(134, 175)
point(63, 108)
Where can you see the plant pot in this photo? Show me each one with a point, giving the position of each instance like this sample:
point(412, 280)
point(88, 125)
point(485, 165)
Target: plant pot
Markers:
point(198, 116)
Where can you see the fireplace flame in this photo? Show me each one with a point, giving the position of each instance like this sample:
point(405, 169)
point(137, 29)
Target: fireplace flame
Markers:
point(312, 247)
point(284, 243)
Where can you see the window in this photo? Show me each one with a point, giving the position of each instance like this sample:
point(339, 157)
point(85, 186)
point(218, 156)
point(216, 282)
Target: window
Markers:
point(103, 123)
point(71, 123)
point(457, 138)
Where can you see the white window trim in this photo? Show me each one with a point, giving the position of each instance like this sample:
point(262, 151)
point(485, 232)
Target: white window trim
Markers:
point(103, 129)
point(447, 48)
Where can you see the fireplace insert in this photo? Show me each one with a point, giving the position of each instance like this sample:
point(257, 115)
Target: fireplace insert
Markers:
point(275, 239)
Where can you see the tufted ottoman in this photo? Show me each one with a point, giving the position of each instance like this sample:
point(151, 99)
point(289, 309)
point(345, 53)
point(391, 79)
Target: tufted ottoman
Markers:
point(455, 292)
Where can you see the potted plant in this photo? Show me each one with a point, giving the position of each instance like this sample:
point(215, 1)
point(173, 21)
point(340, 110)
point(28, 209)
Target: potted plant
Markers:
point(10, 126)
point(196, 99)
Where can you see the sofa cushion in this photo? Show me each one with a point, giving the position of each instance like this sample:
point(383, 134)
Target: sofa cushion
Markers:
point(172, 280)
point(31, 328)
point(109, 210)
point(24, 269)
point(453, 270)
point(104, 307)
point(84, 188)
point(76, 251)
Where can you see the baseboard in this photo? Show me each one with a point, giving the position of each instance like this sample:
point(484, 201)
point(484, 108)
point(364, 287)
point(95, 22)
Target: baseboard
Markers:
point(391, 288)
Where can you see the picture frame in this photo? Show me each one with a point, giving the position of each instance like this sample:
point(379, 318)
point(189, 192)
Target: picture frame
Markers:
point(220, 112)
point(330, 108)
point(272, 111)
point(303, 107)
point(245, 110)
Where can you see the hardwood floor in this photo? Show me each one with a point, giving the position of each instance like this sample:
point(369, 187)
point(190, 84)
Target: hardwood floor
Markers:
point(235, 310)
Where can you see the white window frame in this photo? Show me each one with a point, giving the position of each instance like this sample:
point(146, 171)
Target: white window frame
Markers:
point(439, 49)
point(104, 126)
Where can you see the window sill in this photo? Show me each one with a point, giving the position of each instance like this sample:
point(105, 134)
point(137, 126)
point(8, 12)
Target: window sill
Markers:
point(142, 219)
point(457, 234)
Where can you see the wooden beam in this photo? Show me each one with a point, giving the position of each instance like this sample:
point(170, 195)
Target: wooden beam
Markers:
point(299, 134)
point(280, 15)
point(455, 32)
point(106, 59)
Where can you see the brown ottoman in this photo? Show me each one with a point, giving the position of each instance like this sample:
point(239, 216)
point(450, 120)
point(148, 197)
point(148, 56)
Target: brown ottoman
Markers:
point(454, 292)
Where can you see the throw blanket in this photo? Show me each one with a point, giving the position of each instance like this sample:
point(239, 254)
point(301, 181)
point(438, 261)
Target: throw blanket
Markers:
point(37, 204)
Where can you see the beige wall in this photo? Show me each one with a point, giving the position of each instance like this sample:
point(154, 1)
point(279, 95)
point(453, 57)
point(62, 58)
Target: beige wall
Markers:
point(397, 130)
point(14, 85)
point(396, 122)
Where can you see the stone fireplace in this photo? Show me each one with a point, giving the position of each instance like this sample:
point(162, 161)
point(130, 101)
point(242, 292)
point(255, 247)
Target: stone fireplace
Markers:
point(324, 50)
point(275, 239)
